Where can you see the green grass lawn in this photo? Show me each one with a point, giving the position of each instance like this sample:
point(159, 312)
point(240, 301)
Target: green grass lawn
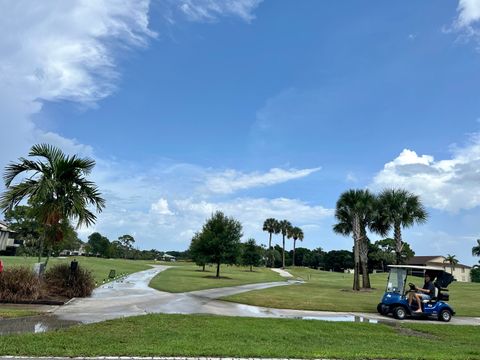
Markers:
point(100, 268)
point(201, 335)
point(332, 292)
point(190, 278)
point(8, 312)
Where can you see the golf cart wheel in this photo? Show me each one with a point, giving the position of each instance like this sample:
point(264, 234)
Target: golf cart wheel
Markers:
point(445, 315)
point(399, 313)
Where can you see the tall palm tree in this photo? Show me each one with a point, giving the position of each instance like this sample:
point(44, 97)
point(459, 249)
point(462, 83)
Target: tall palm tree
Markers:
point(57, 186)
point(285, 227)
point(452, 260)
point(355, 212)
point(296, 234)
point(271, 226)
point(400, 209)
point(476, 249)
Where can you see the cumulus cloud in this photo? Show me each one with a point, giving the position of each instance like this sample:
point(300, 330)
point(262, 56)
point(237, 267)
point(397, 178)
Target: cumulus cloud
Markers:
point(468, 13)
point(448, 184)
point(161, 207)
point(231, 180)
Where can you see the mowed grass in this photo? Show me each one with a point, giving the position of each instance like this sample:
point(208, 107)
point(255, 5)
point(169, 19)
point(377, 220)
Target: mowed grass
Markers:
point(190, 277)
point(202, 335)
point(8, 312)
point(99, 267)
point(332, 292)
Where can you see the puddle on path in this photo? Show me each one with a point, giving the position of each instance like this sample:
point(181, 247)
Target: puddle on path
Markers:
point(33, 324)
point(342, 318)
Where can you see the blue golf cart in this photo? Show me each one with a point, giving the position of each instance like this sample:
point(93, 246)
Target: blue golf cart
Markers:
point(395, 299)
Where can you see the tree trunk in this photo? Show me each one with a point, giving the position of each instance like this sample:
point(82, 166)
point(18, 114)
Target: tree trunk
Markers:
point(293, 261)
point(283, 252)
point(49, 252)
point(356, 253)
point(203, 268)
point(40, 250)
point(270, 252)
point(251, 268)
point(397, 234)
point(218, 270)
point(364, 259)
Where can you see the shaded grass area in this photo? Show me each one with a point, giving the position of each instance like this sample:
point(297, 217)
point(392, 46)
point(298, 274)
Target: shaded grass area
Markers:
point(201, 335)
point(190, 278)
point(332, 292)
point(99, 267)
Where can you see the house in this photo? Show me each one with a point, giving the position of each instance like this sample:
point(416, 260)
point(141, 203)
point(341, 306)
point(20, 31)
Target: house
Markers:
point(8, 244)
point(167, 257)
point(460, 272)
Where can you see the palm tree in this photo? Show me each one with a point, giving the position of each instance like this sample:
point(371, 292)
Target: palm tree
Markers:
point(356, 211)
point(285, 227)
point(272, 226)
point(452, 260)
point(296, 234)
point(476, 249)
point(57, 186)
point(400, 208)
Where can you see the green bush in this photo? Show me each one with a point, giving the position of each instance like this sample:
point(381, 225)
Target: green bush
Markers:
point(475, 274)
point(60, 281)
point(19, 284)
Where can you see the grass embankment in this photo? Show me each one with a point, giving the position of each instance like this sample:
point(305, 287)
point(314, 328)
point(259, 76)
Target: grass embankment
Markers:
point(190, 278)
point(201, 335)
point(332, 292)
point(99, 267)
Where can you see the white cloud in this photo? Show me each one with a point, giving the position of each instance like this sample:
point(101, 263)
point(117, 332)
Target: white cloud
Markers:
point(468, 13)
point(450, 184)
point(161, 207)
point(230, 181)
point(55, 50)
point(210, 10)
point(351, 178)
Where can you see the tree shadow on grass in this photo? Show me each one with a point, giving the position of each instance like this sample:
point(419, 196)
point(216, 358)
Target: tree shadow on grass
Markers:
point(219, 278)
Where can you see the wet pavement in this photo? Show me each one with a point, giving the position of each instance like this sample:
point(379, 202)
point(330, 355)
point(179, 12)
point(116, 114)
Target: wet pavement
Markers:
point(132, 296)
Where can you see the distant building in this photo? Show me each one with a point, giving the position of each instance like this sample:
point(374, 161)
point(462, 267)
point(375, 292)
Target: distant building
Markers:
point(167, 257)
point(8, 244)
point(460, 272)
point(80, 252)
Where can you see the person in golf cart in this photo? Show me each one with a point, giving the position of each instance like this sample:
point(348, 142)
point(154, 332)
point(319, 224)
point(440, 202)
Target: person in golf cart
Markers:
point(424, 293)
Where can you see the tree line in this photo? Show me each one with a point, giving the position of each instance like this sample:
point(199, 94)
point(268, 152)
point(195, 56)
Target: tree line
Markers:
point(284, 227)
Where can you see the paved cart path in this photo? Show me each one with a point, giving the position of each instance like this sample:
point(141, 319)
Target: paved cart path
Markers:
point(132, 296)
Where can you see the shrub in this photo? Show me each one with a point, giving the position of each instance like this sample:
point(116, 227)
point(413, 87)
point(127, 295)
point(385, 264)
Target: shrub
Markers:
point(61, 282)
point(19, 284)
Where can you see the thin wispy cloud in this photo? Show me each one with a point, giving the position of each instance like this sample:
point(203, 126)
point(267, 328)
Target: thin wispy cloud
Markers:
point(231, 180)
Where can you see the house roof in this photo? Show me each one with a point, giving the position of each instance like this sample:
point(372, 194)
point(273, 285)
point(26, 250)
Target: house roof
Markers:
point(422, 260)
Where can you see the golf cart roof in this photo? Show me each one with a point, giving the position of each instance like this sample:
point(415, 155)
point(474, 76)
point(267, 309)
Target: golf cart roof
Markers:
point(417, 267)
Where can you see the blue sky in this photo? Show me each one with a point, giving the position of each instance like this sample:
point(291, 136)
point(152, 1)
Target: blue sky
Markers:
point(257, 108)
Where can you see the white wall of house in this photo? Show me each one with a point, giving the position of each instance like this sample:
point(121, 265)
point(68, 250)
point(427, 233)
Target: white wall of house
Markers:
point(460, 272)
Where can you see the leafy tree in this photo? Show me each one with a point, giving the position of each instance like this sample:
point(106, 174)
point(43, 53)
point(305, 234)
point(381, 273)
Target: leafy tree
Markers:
point(23, 221)
point(300, 257)
point(476, 249)
point(58, 188)
point(198, 252)
point(338, 260)
point(400, 209)
point(220, 238)
point(285, 228)
point(296, 234)
point(382, 253)
point(355, 211)
point(251, 254)
point(475, 274)
point(127, 243)
point(314, 259)
point(271, 226)
point(99, 244)
point(452, 260)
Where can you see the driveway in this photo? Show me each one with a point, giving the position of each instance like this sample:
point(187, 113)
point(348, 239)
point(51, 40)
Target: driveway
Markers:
point(132, 296)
